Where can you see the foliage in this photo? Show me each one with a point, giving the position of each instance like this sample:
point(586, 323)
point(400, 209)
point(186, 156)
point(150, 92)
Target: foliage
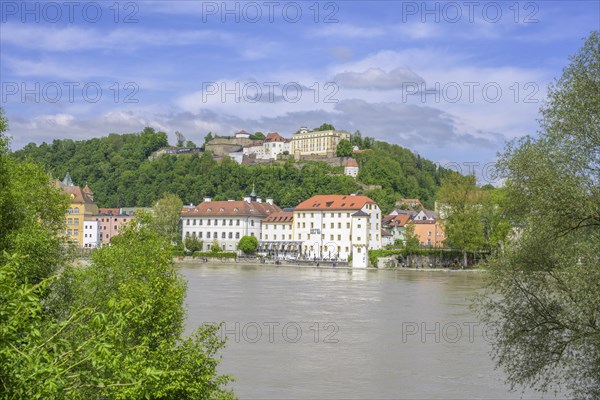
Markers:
point(325, 127)
point(167, 217)
point(258, 136)
point(460, 200)
point(344, 148)
point(118, 171)
point(193, 244)
point(356, 139)
point(544, 289)
point(248, 244)
point(218, 254)
point(111, 329)
point(376, 253)
point(209, 136)
point(31, 215)
point(411, 240)
point(215, 248)
point(180, 139)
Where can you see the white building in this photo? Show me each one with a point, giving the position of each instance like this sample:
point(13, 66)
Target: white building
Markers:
point(277, 235)
point(226, 222)
point(270, 148)
point(91, 236)
point(351, 167)
point(336, 226)
point(321, 143)
point(242, 135)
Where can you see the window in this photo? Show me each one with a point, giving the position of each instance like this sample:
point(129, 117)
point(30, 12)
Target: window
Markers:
point(251, 222)
point(223, 235)
point(358, 239)
point(251, 233)
point(199, 235)
point(76, 210)
point(200, 222)
point(339, 237)
point(224, 222)
point(266, 237)
point(346, 249)
point(193, 234)
point(208, 222)
point(187, 221)
point(237, 222)
point(348, 225)
point(230, 235)
point(237, 235)
point(193, 222)
point(339, 225)
point(115, 227)
point(70, 231)
point(187, 234)
point(359, 226)
point(76, 221)
point(290, 236)
point(208, 235)
point(70, 220)
point(330, 237)
point(216, 222)
point(312, 225)
point(299, 236)
point(230, 222)
point(429, 233)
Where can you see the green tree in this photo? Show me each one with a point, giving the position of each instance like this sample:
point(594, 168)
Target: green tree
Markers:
point(258, 136)
point(215, 248)
point(193, 244)
point(190, 145)
point(544, 289)
point(167, 217)
point(180, 139)
point(325, 127)
point(344, 148)
point(248, 244)
point(32, 212)
point(411, 240)
point(209, 136)
point(460, 200)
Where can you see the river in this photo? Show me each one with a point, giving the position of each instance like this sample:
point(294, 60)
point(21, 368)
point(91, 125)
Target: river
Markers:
point(307, 333)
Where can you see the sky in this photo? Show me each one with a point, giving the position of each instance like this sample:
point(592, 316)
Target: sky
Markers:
point(452, 81)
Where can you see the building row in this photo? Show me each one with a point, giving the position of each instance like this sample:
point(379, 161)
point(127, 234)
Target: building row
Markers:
point(87, 225)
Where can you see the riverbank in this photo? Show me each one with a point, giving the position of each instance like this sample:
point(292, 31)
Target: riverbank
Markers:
point(312, 265)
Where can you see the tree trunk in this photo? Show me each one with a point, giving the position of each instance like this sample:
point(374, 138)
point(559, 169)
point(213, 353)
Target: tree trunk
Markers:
point(464, 259)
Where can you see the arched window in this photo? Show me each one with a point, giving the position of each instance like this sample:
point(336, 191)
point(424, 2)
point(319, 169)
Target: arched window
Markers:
point(76, 210)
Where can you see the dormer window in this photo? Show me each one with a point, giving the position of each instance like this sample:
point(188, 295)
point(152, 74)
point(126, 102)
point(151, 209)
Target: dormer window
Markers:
point(235, 209)
point(209, 209)
point(222, 209)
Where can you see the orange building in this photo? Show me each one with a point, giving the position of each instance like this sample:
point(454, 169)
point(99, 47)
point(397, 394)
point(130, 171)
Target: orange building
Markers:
point(429, 232)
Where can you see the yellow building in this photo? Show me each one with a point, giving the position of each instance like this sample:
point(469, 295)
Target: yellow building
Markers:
point(316, 143)
point(82, 205)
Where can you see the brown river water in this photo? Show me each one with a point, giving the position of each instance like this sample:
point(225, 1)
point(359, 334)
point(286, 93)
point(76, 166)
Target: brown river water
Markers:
point(308, 333)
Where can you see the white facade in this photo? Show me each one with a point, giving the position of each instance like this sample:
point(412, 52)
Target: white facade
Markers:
point(91, 237)
point(226, 222)
point(316, 142)
point(271, 149)
point(254, 149)
point(328, 232)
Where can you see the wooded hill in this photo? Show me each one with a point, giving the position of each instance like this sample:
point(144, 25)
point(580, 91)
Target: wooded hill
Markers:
point(117, 169)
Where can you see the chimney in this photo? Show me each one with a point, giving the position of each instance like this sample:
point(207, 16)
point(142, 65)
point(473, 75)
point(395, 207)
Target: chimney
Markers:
point(269, 201)
point(207, 199)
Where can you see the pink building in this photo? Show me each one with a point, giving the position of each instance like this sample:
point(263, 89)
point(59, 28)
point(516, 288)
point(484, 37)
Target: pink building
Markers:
point(110, 223)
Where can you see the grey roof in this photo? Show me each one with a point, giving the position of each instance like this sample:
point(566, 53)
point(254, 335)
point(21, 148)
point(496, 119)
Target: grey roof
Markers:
point(360, 213)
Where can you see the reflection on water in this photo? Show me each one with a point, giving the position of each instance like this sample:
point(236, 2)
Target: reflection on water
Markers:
point(339, 333)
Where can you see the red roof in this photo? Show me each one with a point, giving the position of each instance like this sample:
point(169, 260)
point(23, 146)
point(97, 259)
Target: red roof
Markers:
point(351, 162)
point(282, 217)
point(334, 202)
point(396, 220)
point(232, 209)
point(274, 137)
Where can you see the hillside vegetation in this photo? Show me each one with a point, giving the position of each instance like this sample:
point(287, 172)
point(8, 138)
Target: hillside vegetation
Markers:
point(117, 169)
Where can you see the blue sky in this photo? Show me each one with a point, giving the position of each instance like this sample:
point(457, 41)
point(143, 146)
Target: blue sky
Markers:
point(450, 80)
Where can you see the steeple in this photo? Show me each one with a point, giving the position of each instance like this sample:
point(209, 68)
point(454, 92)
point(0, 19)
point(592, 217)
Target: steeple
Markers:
point(253, 194)
point(68, 181)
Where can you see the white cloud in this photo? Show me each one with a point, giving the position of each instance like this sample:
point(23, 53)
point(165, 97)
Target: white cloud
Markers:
point(376, 78)
point(68, 39)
